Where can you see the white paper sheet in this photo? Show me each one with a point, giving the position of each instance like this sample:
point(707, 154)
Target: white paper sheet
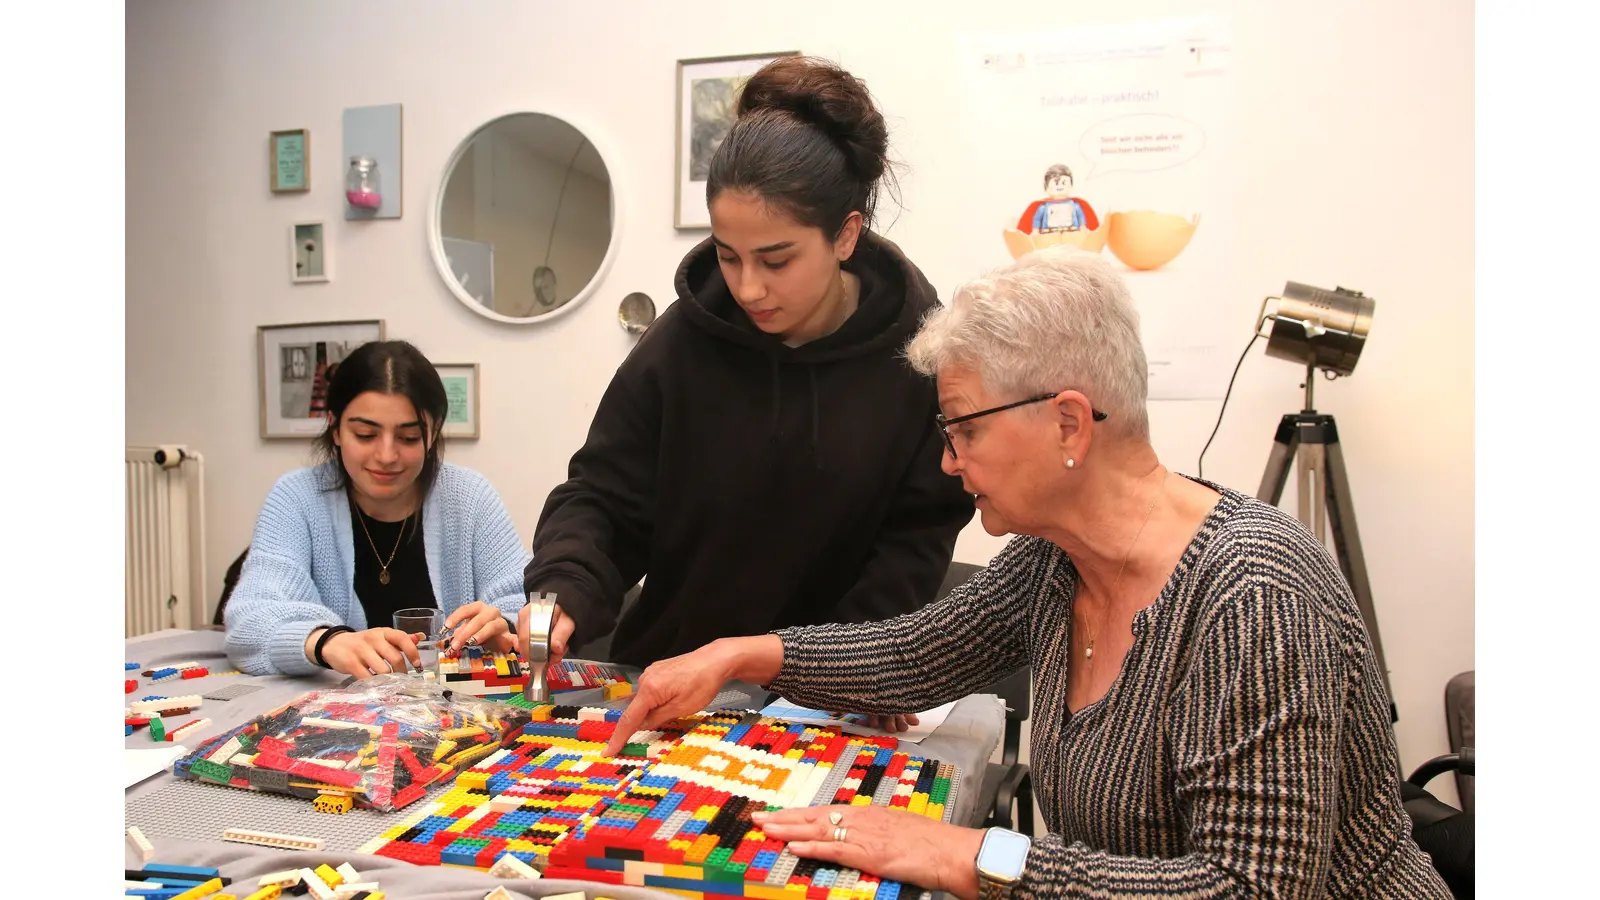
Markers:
point(141, 764)
point(854, 723)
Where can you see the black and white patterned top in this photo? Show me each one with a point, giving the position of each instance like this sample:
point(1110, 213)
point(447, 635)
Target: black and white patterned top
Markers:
point(1243, 751)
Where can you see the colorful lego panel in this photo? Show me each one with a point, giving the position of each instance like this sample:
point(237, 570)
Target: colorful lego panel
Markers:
point(501, 676)
point(673, 812)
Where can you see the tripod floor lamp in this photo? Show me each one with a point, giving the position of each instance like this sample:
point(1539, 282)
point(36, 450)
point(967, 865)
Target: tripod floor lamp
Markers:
point(1324, 330)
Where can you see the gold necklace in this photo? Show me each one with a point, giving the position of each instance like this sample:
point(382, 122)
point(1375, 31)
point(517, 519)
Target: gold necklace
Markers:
point(1088, 652)
point(383, 572)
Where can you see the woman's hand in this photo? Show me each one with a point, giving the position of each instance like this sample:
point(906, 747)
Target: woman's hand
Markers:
point(481, 623)
point(376, 651)
point(560, 632)
point(683, 685)
point(890, 843)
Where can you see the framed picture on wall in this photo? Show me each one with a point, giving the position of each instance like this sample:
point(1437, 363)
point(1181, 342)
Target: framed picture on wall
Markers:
point(308, 253)
point(294, 364)
point(708, 102)
point(461, 387)
point(291, 161)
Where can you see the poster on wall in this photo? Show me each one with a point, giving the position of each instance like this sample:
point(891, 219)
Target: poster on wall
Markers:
point(1113, 139)
point(294, 366)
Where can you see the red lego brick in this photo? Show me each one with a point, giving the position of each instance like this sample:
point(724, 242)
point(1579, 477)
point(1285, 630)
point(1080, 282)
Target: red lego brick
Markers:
point(129, 687)
point(195, 673)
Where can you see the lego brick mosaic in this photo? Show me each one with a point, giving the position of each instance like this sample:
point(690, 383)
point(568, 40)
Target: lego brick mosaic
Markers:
point(673, 811)
point(378, 743)
point(502, 676)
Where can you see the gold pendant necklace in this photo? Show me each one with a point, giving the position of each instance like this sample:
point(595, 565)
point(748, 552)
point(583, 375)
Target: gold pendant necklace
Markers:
point(383, 571)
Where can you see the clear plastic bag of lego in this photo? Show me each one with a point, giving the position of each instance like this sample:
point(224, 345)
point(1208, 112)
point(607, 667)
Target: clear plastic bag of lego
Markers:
point(379, 742)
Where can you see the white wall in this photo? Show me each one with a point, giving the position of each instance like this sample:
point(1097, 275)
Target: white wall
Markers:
point(1357, 116)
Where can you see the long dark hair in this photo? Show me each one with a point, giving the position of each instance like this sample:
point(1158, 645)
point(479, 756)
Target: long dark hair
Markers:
point(808, 140)
point(388, 367)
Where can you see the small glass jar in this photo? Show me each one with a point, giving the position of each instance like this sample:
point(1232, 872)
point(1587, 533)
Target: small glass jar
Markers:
point(362, 187)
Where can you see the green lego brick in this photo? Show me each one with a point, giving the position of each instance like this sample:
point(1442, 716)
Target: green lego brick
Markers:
point(211, 771)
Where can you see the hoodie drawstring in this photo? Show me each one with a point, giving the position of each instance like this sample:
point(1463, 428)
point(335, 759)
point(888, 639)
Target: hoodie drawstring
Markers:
point(816, 456)
point(777, 400)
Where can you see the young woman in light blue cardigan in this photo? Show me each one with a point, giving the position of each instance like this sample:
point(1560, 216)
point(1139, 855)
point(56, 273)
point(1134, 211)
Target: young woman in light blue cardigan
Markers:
point(382, 524)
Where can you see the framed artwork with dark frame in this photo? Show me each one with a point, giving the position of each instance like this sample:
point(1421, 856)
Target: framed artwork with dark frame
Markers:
point(294, 364)
point(708, 102)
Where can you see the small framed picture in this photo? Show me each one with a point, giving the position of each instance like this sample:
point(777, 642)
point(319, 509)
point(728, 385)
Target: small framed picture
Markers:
point(461, 387)
point(308, 253)
point(708, 103)
point(295, 363)
point(291, 161)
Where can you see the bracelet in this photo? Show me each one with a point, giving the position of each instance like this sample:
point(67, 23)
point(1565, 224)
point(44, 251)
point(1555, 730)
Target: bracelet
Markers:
point(316, 651)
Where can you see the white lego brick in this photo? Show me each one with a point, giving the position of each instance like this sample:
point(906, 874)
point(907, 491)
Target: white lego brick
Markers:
point(141, 845)
point(318, 888)
point(187, 729)
point(190, 701)
point(285, 879)
point(508, 866)
point(499, 893)
point(347, 890)
point(349, 872)
point(273, 839)
point(574, 895)
point(331, 723)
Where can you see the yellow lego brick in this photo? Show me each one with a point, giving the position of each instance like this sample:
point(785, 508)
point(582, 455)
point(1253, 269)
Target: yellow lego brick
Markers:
point(270, 892)
point(692, 895)
point(502, 667)
point(935, 811)
point(706, 813)
point(861, 800)
point(793, 753)
point(618, 690)
point(201, 890)
point(675, 871)
point(444, 748)
point(918, 804)
point(454, 733)
point(679, 844)
point(522, 845)
point(766, 892)
point(329, 874)
point(840, 894)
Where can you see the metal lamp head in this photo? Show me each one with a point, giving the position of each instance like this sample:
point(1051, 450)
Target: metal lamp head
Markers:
point(1317, 328)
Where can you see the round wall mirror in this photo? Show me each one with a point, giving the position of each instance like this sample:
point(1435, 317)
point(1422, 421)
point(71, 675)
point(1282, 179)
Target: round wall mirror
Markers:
point(525, 221)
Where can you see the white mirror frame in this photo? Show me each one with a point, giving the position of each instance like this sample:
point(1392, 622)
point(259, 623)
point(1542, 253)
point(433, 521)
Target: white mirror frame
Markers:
point(436, 235)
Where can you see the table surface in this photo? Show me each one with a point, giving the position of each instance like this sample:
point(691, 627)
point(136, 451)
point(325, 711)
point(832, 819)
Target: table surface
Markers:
point(968, 738)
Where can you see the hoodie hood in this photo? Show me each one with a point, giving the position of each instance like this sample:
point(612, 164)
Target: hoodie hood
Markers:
point(895, 296)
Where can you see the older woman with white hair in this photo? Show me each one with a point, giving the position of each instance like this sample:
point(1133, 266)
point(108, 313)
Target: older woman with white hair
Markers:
point(1209, 719)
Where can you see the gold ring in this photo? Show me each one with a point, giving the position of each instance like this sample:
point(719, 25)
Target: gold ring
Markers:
point(839, 833)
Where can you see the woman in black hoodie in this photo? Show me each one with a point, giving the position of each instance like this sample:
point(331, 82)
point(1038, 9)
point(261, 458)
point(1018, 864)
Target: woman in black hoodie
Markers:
point(765, 454)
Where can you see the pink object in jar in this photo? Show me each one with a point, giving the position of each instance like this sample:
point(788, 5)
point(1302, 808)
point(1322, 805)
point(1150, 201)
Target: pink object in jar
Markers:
point(364, 199)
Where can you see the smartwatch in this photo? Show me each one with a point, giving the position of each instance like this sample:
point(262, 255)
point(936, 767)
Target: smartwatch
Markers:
point(1000, 862)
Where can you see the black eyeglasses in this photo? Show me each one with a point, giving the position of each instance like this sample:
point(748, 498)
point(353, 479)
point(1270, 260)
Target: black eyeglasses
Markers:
point(944, 424)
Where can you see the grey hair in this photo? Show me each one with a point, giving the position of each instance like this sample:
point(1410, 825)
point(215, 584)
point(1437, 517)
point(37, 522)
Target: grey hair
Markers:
point(1057, 319)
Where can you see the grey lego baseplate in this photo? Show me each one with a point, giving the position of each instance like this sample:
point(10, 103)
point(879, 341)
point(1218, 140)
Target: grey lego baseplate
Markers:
point(232, 692)
point(191, 811)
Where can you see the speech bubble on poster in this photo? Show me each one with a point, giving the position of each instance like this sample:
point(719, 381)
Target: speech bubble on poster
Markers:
point(1142, 142)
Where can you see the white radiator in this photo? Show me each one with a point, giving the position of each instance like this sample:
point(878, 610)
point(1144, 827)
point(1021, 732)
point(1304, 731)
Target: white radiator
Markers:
point(166, 552)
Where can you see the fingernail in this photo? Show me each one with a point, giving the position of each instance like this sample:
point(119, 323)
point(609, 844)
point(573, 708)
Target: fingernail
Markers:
point(758, 817)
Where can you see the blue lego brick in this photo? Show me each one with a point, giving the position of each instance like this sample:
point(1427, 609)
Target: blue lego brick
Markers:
point(693, 826)
point(164, 893)
point(764, 860)
point(613, 715)
point(600, 863)
point(460, 854)
point(129, 667)
point(887, 890)
point(736, 733)
point(167, 869)
point(127, 730)
point(824, 877)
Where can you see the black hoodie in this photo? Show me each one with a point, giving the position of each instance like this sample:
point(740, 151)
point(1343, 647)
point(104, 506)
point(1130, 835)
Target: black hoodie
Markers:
point(758, 486)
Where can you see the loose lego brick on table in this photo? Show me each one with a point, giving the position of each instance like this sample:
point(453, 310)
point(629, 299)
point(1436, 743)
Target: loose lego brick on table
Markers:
point(270, 892)
point(272, 839)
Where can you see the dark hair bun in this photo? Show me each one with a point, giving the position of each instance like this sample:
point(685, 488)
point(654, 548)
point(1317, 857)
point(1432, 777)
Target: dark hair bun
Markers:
point(822, 94)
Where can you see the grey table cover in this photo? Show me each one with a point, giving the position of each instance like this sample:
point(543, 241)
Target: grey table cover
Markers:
point(175, 815)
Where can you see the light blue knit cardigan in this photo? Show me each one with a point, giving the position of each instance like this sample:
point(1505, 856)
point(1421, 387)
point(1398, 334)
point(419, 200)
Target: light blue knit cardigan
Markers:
point(300, 572)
